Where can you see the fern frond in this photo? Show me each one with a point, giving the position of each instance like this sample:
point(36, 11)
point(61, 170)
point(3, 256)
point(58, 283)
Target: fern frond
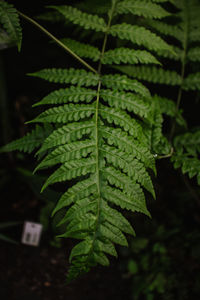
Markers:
point(106, 129)
point(194, 54)
point(154, 133)
point(68, 133)
point(67, 152)
point(77, 192)
point(152, 74)
point(125, 202)
point(189, 142)
point(122, 119)
point(87, 21)
point(192, 82)
point(125, 55)
point(190, 165)
point(72, 94)
point(168, 107)
point(132, 167)
point(122, 82)
point(176, 55)
point(72, 76)
point(139, 36)
point(141, 8)
point(167, 29)
point(127, 101)
point(10, 20)
point(31, 141)
point(116, 218)
point(65, 113)
point(186, 156)
point(120, 139)
point(82, 49)
point(70, 170)
point(122, 181)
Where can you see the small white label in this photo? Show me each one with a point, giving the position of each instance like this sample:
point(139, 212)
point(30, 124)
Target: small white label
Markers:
point(31, 233)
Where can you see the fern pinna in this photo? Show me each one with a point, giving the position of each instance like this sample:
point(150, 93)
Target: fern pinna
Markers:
point(181, 71)
point(101, 141)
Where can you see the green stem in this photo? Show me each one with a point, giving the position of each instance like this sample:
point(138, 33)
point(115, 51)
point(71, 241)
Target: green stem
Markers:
point(97, 121)
point(165, 156)
point(106, 35)
point(57, 41)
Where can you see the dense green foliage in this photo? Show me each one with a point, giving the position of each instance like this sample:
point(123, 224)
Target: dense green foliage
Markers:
point(103, 130)
point(11, 32)
point(180, 70)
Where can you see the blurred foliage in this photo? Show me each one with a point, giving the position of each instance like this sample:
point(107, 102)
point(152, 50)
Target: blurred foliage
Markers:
point(162, 262)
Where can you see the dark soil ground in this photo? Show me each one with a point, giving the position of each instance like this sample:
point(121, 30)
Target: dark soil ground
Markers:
point(39, 274)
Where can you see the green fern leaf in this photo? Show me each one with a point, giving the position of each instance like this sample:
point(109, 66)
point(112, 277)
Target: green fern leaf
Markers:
point(122, 181)
point(67, 152)
point(192, 82)
point(29, 142)
point(186, 156)
point(133, 168)
point(176, 55)
point(188, 142)
point(141, 8)
point(122, 82)
point(188, 165)
point(125, 55)
point(65, 113)
point(167, 29)
point(194, 35)
point(82, 49)
point(194, 54)
point(83, 19)
point(72, 76)
point(140, 36)
point(71, 94)
point(10, 20)
point(121, 118)
point(103, 139)
point(70, 170)
point(113, 233)
point(120, 199)
point(79, 209)
point(68, 133)
point(169, 108)
point(82, 248)
point(106, 246)
point(152, 74)
point(116, 219)
point(127, 101)
point(120, 139)
point(80, 190)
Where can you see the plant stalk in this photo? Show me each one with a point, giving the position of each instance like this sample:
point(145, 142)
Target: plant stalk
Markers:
point(58, 42)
